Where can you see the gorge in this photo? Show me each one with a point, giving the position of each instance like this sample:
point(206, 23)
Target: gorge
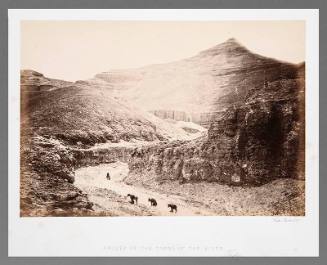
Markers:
point(225, 120)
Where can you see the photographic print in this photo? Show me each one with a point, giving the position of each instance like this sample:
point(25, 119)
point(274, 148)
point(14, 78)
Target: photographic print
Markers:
point(163, 132)
point(162, 118)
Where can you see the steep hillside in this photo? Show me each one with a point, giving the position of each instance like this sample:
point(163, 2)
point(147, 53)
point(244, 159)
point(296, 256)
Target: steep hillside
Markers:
point(192, 86)
point(256, 127)
point(84, 115)
point(58, 117)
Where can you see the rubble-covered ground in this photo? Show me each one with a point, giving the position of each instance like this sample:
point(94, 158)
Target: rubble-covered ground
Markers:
point(283, 197)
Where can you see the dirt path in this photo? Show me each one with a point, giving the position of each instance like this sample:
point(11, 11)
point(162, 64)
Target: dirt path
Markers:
point(89, 179)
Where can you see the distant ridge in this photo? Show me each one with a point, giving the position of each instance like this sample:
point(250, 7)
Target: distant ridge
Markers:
point(192, 85)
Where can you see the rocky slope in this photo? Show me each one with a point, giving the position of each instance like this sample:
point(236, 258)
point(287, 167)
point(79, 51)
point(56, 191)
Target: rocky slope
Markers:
point(256, 133)
point(58, 119)
point(190, 87)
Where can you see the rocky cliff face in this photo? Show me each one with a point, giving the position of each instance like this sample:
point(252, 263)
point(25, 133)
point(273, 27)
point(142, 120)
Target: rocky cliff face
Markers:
point(204, 119)
point(172, 114)
point(46, 180)
point(257, 138)
point(47, 175)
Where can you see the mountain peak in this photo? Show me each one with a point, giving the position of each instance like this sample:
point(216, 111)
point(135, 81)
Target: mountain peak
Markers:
point(232, 40)
point(229, 46)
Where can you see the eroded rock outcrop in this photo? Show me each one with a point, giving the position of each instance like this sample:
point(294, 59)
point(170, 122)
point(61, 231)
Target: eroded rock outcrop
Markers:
point(202, 118)
point(259, 137)
point(47, 177)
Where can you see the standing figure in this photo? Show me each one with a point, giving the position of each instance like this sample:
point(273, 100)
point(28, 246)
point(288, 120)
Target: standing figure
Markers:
point(108, 176)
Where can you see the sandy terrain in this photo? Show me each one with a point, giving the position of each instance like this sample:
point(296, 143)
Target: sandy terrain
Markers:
point(92, 180)
point(281, 197)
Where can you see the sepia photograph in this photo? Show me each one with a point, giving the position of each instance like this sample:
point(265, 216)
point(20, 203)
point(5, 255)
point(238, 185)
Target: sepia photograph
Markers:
point(162, 118)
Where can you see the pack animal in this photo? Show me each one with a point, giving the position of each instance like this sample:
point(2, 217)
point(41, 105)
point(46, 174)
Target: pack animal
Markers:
point(133, 198)
point(153, 202)
point(173, 207)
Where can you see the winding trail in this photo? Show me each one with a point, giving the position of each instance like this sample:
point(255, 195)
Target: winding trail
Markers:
point(91, 179)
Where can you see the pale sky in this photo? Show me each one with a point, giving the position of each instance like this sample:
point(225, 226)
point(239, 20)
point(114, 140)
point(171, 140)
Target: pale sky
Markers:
point(77, 50)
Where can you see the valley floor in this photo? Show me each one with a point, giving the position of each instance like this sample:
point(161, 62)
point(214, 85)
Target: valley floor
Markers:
point(92, 180)
point(283, 197)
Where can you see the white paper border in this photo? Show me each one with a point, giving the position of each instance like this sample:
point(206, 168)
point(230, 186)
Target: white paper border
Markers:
point(166, 236)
